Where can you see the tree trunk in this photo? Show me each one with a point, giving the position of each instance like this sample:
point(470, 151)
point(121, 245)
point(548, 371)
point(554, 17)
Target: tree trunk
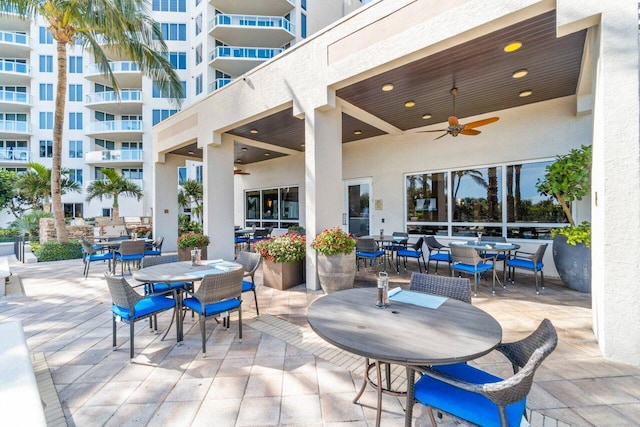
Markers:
point(56, 162)
point(116, 207)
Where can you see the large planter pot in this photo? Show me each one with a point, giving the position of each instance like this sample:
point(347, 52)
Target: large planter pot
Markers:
point(573, 264)
point(336, 272)
point(185, 254)
point(280, 275)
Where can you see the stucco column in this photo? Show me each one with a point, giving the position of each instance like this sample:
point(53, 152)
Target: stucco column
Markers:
point(165, 201)
point(218, 198)
point(323, 179)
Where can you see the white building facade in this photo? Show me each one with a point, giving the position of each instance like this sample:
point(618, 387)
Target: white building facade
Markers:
point(210, 44)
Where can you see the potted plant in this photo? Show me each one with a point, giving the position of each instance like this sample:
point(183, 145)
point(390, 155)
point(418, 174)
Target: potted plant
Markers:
point(336, 259)
point(283, 256)
point(569, 179)
point(189, 241)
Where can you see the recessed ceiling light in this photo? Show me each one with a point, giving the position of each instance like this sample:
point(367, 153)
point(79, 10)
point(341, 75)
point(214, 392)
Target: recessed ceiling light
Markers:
point(520, 73)
point(253, 131)
point(238, 160)
point(267, 154)
point(190, 152)
point(301, 145)
point(387, 87)
point(426, 116)
point(357, 132)
point(410, 104)
point(513, 46)
point(525, 93)
point(244, 149)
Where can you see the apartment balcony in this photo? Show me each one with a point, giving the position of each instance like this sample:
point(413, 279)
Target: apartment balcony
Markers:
point(14, 73)
point(117, 129)
point(139, 182)
point(248, 7)
point(129, 101)
point(114, 158)
point(251, 30)
point(14, 129)
point(15, 45)
point(11, 20)
point(238, 60)
point(218, 83)
point(11, 101)
point(127, 73)
point(12, 157)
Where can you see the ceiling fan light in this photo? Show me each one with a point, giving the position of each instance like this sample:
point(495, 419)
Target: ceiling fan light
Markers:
point(513, 46)
point(267, 154)
point(525, 93)
point(410, 104)
point(518, 74)
point(357, 132)
point(254, 131)
point(238, 160)
point(244, 149)
point(191, 152)
point(426, 116)
point(387, 87)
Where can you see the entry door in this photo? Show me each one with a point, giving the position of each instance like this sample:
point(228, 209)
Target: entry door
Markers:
point(357, 207)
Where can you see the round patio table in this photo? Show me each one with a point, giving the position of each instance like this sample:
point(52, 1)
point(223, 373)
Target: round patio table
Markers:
point(406, 334)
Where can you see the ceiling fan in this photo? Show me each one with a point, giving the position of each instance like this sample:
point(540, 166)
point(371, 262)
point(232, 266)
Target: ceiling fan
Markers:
point(237, 171)
point(456, 128)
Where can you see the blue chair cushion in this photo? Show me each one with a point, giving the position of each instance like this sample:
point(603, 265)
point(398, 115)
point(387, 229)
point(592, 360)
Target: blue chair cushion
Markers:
point(100, 257)
point(375, 254)
point(524, 263)
point(247, 286)
point(144, 307)
point(440, 257)
point(410, 253)
point(499, 257)
point(468, 268)
point(241, 240)
point(464, 404)
point(211, 309)
point(152, 252)
point(164, 287)
point(131, 257)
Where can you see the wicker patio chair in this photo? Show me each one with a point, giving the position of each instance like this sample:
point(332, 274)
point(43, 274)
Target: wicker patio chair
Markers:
point(217, 295)
point(367, 249)
point(161, 287)
point(250, 262)
point(128, 306)
point(465, 259)
point(92, 253)
point(450, 287)
point(528, 261)
point(481, 398)
point(128, 252)
point(415, 251)
point(156, 248)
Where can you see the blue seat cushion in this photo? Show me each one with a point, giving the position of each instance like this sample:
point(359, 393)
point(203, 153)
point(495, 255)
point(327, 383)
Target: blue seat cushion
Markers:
point(241, 240)
point(213, 308)
point(152, 252)
point(247, 286)
point(100, 257)
point(499, 257)
point(524, 263)
point(440, 257)
point(410, 253)
point(375, 254)
point(468, 268)
point(144, 307)
point(163, 287)
point(131, 257)
point(464, 404)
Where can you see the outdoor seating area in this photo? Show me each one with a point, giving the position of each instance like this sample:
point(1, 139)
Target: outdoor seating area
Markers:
point(281, 372)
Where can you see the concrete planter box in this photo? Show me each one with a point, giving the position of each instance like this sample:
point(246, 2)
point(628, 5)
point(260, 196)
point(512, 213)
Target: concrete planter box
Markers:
point(336, 272)
point(282, 276)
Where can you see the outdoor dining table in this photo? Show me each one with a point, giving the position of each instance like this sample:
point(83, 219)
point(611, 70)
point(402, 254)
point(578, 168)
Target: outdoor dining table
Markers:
point(114, 245)
point(495, 248)
point(381, 239)
point(183, 271)
point(426, 330)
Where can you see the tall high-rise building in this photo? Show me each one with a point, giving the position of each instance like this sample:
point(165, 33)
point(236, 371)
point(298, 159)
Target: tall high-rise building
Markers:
point(210, 43)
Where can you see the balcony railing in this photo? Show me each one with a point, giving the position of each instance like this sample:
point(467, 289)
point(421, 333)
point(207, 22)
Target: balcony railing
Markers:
point(12, 96)
point(218, 83)
point(126, 95)
point(8, 8)
point(14, 67)
point(139, 182)
point(115, 126)
point(15, 154)
point(116, 67)
point(14, 126)
point(114, 156)
point(244, 52)
point(250, 21)
point(15, 38)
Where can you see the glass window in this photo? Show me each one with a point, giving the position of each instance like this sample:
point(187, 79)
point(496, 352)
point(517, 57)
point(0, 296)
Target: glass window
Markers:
point(109, 145)
point(252, 205)
point(182, 175)
point(270, 204)
point(199, 176)
point(75, 175)
point(524, 202)
point(273, 207)
point(132, 173)
point(75, 93)
point(173, 31)
point(199, 84)
point(75, 121)
point(427, 197)
point(198, 24)
point(303, 4)
point(72, 210)
point(46, 120)
point(46, 63)
point(166, 93)
point(178, 60)
point(46, 92)
point(75, 64)
point(303, 25)
point(45, 36)
point(46, 148)
point(476, 195)
point(169, 5)
point(289, 203)
point(160, 115)
point(199, 54)
point(75, 149)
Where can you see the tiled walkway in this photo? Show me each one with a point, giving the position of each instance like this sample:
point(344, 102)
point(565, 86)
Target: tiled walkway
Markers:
point(281, 373)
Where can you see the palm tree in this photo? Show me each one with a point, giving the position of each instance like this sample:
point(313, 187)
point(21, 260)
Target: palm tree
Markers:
point(191, 194)
point(122, 26)
point(35, 185)
point(114, 186)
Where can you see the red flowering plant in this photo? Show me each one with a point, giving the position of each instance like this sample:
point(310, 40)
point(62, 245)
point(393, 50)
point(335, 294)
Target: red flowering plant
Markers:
point(290, 247)
point(334, 241)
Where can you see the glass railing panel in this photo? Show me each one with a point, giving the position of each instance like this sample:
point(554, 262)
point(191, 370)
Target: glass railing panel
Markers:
point(125, 95)
point(251, 21)
point(116, 67)
point(16, 154)
point(115, 126)
point(14, 126)
point(16, 38)
point(114, 155)
point(12, 96)
point(244, 52)
point(14, 67)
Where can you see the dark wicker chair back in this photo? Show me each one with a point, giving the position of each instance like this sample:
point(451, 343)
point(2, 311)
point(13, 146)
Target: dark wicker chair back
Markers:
point(249, 261)
point(157, 244)
point(218, 287)
point(86, 247)
point(366, 244)
point(162, 259)
point(122, 294)
point(432, 243)
point(497, 239)
point(132, 247)
point(450, 287)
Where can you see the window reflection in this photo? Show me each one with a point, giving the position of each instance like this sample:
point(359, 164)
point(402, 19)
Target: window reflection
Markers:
point(272, 207)
point(477, 195)
point(427, 197)
point(524, 202)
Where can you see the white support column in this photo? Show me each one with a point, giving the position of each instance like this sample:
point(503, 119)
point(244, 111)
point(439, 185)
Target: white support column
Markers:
point(165, 200)
point(218, 198)
point(323, 179)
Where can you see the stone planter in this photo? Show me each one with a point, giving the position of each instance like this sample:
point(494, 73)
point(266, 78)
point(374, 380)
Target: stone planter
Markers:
point(336, 272)
point(573, 264)
point(281, 276)
point(185, 254)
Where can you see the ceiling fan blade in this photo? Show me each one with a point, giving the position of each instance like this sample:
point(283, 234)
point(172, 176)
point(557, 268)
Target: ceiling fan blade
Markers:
point(444, 134)
point(469, 132)
point(453, 121)
point(438, 130)
point(240, 172)
point(481, 122)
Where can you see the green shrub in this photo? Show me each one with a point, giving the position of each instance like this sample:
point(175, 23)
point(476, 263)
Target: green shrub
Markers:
point(7, 235)
point(54, 251)
point(578, 234)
